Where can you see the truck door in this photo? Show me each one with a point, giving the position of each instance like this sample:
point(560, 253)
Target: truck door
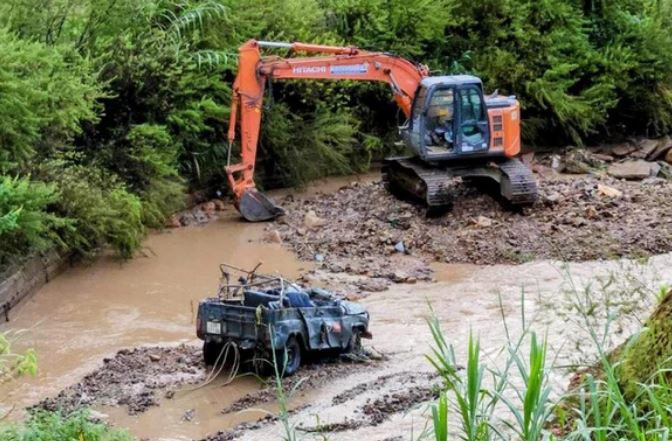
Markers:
point(325, 327)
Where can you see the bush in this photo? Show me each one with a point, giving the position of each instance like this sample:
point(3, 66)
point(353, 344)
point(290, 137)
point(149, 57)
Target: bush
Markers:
point(46, 93)
point(103, 212)
point(43, 426)
point(26, 225)
point(13, 364)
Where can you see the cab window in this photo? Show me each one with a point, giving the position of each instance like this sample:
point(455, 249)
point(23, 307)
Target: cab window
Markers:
point(472, 113)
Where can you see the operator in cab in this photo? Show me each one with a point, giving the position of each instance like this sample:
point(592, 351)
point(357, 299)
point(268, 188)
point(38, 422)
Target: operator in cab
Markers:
point(439, 125)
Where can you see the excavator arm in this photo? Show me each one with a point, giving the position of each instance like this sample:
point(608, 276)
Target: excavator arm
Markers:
point(341, 63)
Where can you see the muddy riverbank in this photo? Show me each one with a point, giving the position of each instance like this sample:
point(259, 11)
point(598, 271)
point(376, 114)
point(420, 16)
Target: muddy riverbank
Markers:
point(361, 228)
point(90, 313)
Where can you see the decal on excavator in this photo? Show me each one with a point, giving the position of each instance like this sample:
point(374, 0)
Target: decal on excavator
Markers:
point(309, 69)
point(349, 69)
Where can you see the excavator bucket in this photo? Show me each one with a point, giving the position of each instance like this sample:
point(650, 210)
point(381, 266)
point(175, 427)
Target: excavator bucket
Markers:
point(256, 207)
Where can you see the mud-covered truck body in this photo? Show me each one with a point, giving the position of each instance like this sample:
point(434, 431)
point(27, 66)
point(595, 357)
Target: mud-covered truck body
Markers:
point(288, 319)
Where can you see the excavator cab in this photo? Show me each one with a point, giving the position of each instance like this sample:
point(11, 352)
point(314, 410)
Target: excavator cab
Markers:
point(449, 119)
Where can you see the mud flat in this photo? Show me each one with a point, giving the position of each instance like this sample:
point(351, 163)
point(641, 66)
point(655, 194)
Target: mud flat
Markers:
point(90, 313)
point(361, 228)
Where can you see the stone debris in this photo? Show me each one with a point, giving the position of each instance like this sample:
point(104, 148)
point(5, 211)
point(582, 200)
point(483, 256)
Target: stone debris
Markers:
point(633, 169)
point(582, 217)
point(607, 191)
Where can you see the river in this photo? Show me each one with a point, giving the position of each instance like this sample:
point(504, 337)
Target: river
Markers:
point(93, 310)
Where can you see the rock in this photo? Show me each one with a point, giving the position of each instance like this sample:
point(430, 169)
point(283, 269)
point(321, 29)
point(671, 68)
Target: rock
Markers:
point(591, 212)
point(622, 150)
point(602, 157)
point(97, 417)
point(154, 357)
point(655, 169)
point(556, 164)
point(274, 236)
point(209, 208)
point(312, 220)
point(219, 204)
point(187, 219)
point(668, 157)
point(541, 169)
point(579, 162)
point(398, 277)
point(553, 198)
point(189, 415)
point(609, 192)
point(634, 170)
point(319, 258)
point(482, 221)
point(201, 217)
point(664, 146)
point(665, 169)
point(646, 148)
point(527, 159)
point(173, 221)
point(399, 247)
point(375, 284)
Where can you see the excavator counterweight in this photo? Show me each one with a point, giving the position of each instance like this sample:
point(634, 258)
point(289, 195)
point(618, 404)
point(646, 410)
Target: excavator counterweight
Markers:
point(452, 128)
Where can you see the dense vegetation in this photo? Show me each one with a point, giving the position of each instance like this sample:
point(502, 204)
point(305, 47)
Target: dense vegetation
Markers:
point(111, 109)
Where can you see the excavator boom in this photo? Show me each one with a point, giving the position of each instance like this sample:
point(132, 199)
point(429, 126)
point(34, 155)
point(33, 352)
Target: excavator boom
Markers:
point(343, 63)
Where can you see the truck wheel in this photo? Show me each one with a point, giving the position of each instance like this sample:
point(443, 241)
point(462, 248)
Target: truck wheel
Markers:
point(355, 343)
point(211, 351)
point(289, 358)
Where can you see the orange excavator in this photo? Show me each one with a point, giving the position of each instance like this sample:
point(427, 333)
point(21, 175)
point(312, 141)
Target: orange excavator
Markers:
point(453, 129)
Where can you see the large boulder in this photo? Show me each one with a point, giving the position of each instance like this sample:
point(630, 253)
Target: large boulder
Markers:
point(622, 150)
point(645, 148)
point(634, 170)
point(664, 145)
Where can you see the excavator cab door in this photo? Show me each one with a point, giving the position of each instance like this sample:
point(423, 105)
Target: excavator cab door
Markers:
point(473, 134)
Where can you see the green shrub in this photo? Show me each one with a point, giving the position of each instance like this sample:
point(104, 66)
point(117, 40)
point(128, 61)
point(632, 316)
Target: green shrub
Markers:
point(26, 225)
point(46, 93)
point(44, 426)
point(14, 364)
point(103, 212)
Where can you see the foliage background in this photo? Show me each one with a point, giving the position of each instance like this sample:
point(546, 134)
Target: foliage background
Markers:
point(111, 110)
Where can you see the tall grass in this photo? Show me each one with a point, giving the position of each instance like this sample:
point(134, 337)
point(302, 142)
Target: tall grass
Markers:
point(517, 404)
point(477, 403)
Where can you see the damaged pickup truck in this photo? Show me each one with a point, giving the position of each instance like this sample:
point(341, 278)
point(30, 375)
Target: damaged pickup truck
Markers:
point(262, 314)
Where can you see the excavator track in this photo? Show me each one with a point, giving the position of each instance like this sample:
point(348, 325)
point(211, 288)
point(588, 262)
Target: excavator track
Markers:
point(408, 176)
point(518, 185)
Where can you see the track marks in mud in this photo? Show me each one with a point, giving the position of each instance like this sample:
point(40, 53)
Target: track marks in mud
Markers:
point(310, 376)
point(393, 393)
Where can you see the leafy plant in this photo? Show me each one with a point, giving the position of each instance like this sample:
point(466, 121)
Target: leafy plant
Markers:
point(43, 425)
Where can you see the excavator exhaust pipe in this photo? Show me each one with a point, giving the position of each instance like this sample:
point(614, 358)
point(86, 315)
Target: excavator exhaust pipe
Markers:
point(256, 207)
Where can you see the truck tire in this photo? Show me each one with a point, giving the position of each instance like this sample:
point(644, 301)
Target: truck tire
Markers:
point(355, 343)
point(289, 358)
point(211, 351)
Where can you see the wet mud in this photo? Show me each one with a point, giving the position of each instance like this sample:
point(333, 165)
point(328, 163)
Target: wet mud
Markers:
point(361, 228)
point(134, 379)
point(91, 313)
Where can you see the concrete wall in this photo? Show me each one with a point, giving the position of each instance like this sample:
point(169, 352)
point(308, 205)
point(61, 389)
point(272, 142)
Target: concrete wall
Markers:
point(28, 278)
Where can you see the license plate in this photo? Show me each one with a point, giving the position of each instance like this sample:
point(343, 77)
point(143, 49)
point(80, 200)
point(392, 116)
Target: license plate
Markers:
point(213, 327)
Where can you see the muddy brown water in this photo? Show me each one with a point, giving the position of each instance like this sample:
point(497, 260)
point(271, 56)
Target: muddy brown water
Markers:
point(92, 311)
